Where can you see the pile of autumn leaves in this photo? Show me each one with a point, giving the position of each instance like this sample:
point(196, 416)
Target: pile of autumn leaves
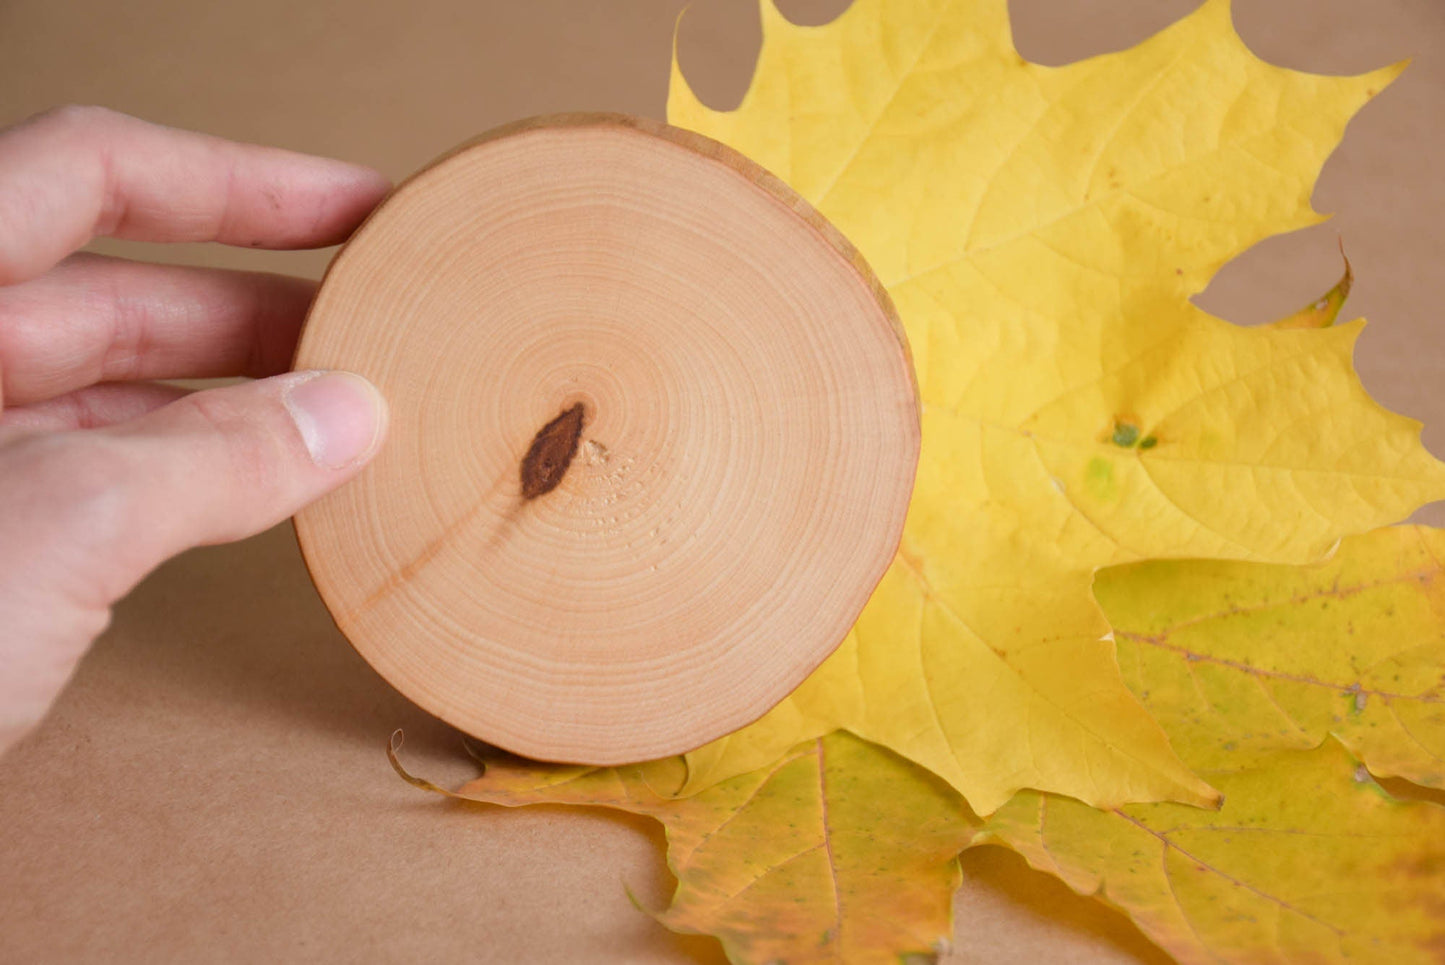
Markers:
point(1143, 627)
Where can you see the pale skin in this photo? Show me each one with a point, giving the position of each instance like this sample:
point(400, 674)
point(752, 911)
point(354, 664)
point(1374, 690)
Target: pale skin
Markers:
point(105, 472)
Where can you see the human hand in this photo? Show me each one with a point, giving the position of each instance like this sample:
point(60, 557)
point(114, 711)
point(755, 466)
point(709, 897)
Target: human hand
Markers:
point(103, 473)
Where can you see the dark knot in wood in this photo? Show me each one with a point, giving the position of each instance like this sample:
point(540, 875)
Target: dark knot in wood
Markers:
point(551, 452)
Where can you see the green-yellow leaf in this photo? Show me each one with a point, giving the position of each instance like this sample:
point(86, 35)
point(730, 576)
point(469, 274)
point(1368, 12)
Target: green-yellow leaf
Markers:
point(1307, 861)
point(1041, 230)
point(838, 852)
point(1240, 659)
point(1030, 686)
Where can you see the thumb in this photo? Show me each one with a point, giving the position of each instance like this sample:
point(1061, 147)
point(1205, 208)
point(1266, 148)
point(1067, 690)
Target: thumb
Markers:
point(84, 515)
point(214, 466)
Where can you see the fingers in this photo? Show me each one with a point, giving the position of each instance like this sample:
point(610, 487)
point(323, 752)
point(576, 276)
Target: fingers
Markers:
point(94, 319)
point(87, 514)
point(69, 175)
point(93, 407)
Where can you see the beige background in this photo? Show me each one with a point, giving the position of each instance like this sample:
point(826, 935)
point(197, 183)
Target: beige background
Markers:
point(212, 786)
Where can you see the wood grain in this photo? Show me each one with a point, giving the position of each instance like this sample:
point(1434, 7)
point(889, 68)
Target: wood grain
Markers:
point(654, 431)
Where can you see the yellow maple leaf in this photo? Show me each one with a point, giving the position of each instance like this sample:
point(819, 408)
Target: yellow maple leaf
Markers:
point(1041, 230)
point(838, 852)
point(1240, 659)
point(1309, 860)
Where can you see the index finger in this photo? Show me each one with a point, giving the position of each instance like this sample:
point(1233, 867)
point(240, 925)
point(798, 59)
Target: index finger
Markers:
point(76, 173)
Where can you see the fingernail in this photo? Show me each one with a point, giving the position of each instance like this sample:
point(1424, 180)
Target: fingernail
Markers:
point(340, 416)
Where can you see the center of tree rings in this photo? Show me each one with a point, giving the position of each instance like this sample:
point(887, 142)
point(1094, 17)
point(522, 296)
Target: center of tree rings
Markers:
point(551, 452)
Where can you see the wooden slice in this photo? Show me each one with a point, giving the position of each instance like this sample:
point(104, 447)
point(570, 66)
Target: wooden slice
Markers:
point(653, 434)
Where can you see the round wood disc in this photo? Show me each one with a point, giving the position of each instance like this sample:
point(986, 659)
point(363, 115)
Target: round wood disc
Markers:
point(653, 435)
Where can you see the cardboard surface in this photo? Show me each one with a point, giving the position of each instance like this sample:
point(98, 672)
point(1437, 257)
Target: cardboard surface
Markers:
point(212, 785)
